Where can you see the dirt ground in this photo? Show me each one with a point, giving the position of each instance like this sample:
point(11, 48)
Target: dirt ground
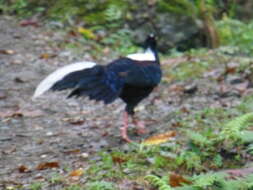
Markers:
point(69, 131)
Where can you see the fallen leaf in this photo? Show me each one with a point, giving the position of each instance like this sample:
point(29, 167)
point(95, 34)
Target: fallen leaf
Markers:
point(23, 169)
point(29, 23)
point(73, 33)
point(47, 56)
point(7, 51)
point(47, 165)
point(76, 173)
point(159, 139)
point(75, 151)
point(74, 120)
point(184, 110)
point(118, 159)
point(176, 180)
point(231, 68)
point(86, 33)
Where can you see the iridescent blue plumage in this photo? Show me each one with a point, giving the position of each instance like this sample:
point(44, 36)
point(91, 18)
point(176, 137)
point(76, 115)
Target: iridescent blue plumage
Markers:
point(106, 83)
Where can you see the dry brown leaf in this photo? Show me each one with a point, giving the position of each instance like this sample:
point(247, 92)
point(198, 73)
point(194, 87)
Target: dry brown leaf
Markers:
point(77, 173)
point(47, 165)
point(72, 33)
point(47, 56)
point(74, 120)
point(23, 169)
point(184, 110)
point(176, 180)
point(159, 139)
point(7, 51)
point(74, 151)
point(231, 68)
point(118, 159)
point(29, 22)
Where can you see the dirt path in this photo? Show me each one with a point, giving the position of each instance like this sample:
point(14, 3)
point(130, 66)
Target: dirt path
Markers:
point(50, 128)
point(69, 132)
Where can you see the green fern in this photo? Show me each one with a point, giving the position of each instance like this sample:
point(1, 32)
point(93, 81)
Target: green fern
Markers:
point(113, 13)
point(198, 138)
point(233, 129)
point(250, 149)
point(209, 180)
point(158, 182)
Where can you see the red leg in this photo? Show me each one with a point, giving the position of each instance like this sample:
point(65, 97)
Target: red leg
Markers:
point(140, 126)
point(123, 130)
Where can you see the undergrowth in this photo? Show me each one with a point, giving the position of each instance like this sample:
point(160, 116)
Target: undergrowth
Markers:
point(204, 147)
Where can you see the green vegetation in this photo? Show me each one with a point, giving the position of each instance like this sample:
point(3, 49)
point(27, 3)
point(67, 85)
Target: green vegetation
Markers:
point(112, 22)
point(236, 34)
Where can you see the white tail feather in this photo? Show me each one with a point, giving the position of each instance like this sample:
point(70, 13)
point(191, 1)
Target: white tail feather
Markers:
point(59, 74)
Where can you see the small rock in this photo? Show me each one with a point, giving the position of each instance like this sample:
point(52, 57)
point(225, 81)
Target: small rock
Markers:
point(43, 156)
point(84, 155)
point(50, 133)
point(19, 80)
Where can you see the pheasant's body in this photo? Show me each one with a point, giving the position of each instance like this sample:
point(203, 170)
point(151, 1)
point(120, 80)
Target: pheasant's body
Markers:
point(131, 78)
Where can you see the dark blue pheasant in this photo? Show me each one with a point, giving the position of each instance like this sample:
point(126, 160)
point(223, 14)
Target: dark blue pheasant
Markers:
point(131, 78)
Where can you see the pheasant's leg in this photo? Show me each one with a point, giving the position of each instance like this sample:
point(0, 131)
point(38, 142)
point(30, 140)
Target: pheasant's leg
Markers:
point(140, 126)
point(123, 130)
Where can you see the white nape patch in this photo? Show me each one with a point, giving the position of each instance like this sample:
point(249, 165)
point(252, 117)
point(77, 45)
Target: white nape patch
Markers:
point(148, 55)
point(59, 74)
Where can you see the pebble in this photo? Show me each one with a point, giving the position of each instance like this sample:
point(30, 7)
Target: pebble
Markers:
point(84, 155)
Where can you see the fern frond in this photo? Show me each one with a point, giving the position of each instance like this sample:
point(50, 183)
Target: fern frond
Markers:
point(158, 182)
point(113, 13)
point(208, 179)
point(198, 138)
point(233, 129)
